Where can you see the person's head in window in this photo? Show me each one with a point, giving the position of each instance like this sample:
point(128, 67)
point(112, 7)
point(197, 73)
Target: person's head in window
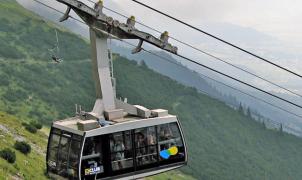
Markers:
point(151, 138)
point(119, 146)
point(162, 133)
point(140, 139)
point(168, 133)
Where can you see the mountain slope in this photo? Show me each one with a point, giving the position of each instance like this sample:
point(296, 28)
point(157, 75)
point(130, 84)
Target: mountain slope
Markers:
point(31, 166)
point(223, 143)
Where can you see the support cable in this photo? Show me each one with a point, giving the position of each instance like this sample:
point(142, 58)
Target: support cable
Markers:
point(219, 39)
point(236, 89)
point(210, 55)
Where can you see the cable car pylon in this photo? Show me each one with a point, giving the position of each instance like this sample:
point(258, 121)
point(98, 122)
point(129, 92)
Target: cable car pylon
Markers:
point(116, 140)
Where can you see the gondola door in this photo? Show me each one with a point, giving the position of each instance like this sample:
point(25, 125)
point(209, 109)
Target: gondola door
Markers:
point(93, 163)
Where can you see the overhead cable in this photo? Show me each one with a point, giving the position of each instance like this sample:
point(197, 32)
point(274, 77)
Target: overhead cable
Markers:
point(211, 55)
point(219, 39)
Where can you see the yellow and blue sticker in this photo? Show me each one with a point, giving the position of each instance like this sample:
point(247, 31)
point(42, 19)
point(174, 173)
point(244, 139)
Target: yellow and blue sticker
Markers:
point(91, 171)
point(166, 154)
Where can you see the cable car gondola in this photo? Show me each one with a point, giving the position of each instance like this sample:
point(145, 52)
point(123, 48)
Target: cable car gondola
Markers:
point(116, 140)
point(130, 149)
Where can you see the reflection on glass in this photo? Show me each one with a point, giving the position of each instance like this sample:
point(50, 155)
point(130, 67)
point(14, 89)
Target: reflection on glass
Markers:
point(52, 152)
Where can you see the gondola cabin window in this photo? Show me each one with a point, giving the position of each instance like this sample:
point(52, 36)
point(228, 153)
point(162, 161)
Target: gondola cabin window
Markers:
point(52, 152)
point(145, 147)
point(121, 151)
point(170, 144)
point(74, 150)
point(63, 155)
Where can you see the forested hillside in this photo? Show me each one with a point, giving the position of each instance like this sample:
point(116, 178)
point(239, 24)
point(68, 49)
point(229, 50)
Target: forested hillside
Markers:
point(223, 143)
point(28, 78)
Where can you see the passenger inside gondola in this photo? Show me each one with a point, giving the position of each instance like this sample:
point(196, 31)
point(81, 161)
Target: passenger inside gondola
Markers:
point(152, 146)
point(119, 148)
point(151, 139)
point(121, 151)
point(141, 148)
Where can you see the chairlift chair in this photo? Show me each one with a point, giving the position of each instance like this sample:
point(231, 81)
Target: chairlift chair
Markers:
point(56, 51)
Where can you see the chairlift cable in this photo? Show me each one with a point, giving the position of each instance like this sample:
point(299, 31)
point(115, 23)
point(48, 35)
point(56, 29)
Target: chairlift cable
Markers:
point(57, 44)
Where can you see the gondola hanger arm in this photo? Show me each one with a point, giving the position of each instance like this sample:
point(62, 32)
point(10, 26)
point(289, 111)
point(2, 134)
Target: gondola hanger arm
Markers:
point(99, 21)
